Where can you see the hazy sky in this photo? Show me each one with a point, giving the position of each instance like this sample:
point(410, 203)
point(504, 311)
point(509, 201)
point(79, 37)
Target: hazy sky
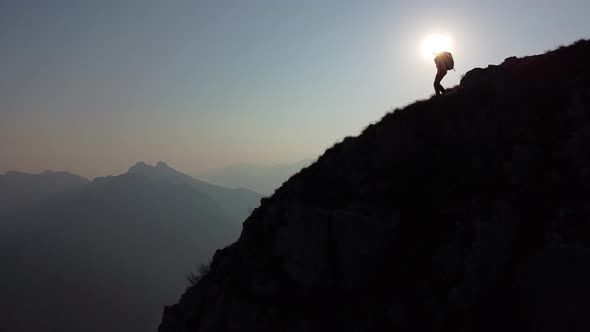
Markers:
point(94, 86)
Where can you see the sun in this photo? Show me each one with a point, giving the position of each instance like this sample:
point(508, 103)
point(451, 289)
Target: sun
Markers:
point(435, 43)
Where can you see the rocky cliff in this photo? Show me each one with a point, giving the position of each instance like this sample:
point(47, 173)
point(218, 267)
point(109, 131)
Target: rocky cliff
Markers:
point(464, 212)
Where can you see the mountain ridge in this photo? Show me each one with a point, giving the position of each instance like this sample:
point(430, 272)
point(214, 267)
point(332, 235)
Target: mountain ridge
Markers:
point(238, 201)
point(458, 213)
point(20, 189)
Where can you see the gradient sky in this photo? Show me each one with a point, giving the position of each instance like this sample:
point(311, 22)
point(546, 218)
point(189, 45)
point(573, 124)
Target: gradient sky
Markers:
point(94, 86)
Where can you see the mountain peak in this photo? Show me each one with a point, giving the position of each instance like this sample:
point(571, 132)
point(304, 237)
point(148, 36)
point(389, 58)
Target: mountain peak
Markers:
point(161, 172)
point(140, 165)
point(232, 198)
point(162, 164)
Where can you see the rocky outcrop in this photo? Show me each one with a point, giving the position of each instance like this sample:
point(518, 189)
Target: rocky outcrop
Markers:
point(465, 212)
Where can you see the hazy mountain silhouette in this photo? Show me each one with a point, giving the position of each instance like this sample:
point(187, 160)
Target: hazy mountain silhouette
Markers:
point(262, 179)
point(465, 212)
point(108, 255)
point(19, 190)
point(238, 202)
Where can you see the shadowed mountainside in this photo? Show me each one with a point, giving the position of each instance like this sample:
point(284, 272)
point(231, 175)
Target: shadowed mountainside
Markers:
point(18, 190)
point(464, 212)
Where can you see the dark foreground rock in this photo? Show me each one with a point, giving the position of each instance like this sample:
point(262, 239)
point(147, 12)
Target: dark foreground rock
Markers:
point(465, 212)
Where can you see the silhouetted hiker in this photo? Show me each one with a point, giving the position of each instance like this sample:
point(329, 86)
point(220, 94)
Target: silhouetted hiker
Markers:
point(444, 62)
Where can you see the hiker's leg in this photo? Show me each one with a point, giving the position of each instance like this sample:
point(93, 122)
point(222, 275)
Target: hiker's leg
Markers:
point(438, 88)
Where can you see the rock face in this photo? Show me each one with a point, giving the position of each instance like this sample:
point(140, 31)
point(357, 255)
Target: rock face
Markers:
point(465, 212)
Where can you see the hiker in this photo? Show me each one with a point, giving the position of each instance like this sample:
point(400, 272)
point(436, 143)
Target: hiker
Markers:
point(444, 62)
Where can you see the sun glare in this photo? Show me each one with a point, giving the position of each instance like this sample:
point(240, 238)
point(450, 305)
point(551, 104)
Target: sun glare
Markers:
point(434, 44)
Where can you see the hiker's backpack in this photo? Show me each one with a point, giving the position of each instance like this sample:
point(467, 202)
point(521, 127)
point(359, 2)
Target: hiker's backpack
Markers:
point(446, 59)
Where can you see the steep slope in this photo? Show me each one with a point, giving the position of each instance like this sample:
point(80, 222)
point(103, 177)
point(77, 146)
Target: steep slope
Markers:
point(18, 190)
point(237, 202)
point(465, 212)
point(107, 256)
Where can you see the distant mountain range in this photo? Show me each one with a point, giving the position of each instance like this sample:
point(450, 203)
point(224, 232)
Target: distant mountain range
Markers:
point(19, 190)
point(238, 202)
point(106, 255)
point(263, 179)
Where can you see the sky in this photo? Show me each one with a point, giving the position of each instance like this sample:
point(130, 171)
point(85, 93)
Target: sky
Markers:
point(94, 86)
